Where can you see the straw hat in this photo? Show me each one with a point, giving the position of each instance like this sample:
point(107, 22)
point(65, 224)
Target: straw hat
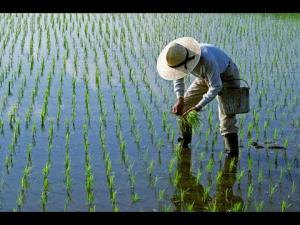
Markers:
point(178, 58)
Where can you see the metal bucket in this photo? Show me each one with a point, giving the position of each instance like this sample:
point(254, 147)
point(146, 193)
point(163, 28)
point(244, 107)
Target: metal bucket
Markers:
point(234, 100)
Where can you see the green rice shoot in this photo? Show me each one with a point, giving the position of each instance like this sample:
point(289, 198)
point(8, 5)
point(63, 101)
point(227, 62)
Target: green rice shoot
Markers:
point(190, 120)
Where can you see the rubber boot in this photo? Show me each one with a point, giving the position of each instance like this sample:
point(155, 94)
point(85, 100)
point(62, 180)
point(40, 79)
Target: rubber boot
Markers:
point(186, 136)
point(231, 144)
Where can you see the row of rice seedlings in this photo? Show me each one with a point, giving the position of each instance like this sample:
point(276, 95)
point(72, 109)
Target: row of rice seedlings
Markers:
point(171, 134)
point(48, 39)
point(59, 99)
point(67, 178)
point(102, 120)
point(44, 111)
point(47, 167)
point(73, 100)
point(132, 180)
point(25, 179)
point(7, 68)
point(125, 157)
point(13, 115)
point(125, 56)
point(89, 179)
point(149, 166)
point(131, 111)
point(15, 29)
point(1, 126)
point(108, 66)
point(86, 98)
point(110, 177)
point(152, 179)
point(4, 102)
point(169, 128)
point(33, 133)
point(145, 107)
point(176, 157)
point(34, 94)
point(12, 146)
point(132, 117)
point(13, 112)
point(25, 32)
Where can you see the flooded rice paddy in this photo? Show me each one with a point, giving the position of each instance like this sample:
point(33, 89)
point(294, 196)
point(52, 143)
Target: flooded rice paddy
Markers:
point(85, 122)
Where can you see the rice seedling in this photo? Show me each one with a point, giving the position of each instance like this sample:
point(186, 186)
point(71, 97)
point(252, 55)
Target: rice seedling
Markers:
point(28, 155)
point(240, 175)
point(210, 165)
point(182, 194)
point(212, 206)
point(232, 165)
point(259, 206)
point(1, 127)
point(286, 142)
point(167, 208)
point(154, 181)
point(260, 177)
point(293, 188)
point(250, 191)
point(250, 163)
point(250, 129)
point(219, 177)
point(150, 168)
point(237, 207)
point(272, 189)
point(190, 120)
point(284, 206)
point(275, 134)
point(132, 179)
point(171, 165)
point(176, 178)
point(161, 194)
point(135, 198)
point(206, 193)
point(198, 176)
point(189, 207)
point(12, 115)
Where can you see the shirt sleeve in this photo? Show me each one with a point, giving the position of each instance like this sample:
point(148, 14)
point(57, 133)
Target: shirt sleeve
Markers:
point(212, 73)
point(179, 87)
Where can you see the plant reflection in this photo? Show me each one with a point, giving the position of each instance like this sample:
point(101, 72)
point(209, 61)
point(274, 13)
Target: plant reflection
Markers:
point(190, 195)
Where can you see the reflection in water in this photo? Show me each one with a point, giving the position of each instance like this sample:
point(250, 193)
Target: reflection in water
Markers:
point(190, 195)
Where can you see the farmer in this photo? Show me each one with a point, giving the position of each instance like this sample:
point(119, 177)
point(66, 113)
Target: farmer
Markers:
point(211, 66)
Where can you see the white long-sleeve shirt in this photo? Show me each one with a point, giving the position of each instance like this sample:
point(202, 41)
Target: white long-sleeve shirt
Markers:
point(215, 63)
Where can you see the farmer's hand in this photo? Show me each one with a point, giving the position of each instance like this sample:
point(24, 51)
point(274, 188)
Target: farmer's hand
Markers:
point(178, 107)
point(197, 109)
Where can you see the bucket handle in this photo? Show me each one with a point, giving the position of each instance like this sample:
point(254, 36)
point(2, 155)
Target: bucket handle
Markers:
point(237, 79)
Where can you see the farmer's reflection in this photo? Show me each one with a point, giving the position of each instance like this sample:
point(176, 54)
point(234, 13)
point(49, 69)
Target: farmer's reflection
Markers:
point(189, 193)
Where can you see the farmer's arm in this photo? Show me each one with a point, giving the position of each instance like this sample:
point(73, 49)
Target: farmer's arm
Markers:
point(179, 90)
point(215, 83)
point(179, 87)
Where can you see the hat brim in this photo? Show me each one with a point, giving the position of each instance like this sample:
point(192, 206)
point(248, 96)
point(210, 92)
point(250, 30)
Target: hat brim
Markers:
point(169, 73)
